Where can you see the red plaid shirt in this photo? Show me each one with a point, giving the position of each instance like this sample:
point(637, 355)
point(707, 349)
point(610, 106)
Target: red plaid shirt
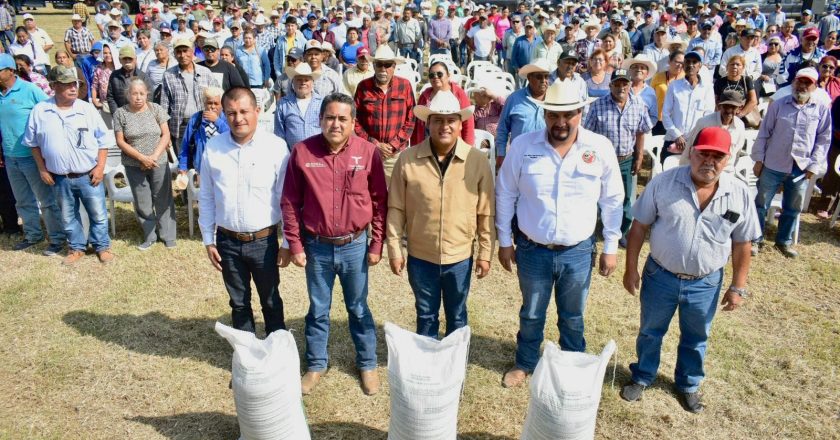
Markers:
point(385, 117)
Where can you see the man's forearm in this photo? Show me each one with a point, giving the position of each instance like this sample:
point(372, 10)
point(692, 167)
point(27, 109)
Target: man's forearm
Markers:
point(635, 238)
point(741, 259)
point(39, 159)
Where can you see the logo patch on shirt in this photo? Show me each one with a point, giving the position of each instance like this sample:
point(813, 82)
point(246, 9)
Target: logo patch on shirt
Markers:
point(315, 165)
point(588, 156)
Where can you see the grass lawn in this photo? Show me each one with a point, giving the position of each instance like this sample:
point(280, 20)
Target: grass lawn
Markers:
point(128, 351)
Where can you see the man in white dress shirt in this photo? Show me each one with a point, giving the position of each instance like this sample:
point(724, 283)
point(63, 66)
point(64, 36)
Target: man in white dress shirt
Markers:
point(242, 174)
point(554, 180)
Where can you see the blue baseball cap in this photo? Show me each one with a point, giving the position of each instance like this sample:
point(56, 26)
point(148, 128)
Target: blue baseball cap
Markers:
point(7, 62)
point(96, 46)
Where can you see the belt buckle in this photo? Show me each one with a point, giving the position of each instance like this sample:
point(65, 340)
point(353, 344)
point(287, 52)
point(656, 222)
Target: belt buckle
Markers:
point(245, 236)
point(687, 277)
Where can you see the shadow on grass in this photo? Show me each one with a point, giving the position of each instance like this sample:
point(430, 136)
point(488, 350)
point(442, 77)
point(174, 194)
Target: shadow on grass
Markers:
point(216, 425)
point(157, 334)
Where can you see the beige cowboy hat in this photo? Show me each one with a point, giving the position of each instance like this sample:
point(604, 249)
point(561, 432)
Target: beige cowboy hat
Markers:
point(540, 65)
point(494, 88)
point(563, 96)
point(443, 103)
point(672, 41)
point(641, 59)
point(301, 69)
point(385, 53)
point(592, 23)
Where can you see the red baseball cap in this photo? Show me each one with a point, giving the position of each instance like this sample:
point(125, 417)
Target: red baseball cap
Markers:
point(811, 33)
point(362, 52)
point(713, 139)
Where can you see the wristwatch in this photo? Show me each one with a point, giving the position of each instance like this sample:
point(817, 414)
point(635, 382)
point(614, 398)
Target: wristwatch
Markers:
point(740, 291)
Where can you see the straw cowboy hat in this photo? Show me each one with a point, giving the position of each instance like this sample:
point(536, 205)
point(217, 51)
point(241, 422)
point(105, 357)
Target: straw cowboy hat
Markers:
point(384, 53)
point(592, 23)
point(641, 59)
point(443, 103)
point(302, 69)
point(676, 40)
point(540, 65)
point(563, 96)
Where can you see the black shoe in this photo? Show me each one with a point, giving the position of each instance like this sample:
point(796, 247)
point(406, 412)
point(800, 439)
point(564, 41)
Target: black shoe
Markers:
point(786, 250)
point(53, 249)
point(25, 244)
point(691, 402)
point(632, 391)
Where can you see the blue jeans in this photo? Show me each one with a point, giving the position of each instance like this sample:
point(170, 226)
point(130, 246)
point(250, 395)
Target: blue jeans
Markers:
point(626, 168)
point(30, 191)
point(540, 270)
point(430, 282)
point(662, 294)
point(70, 193)
point(793, 194)
point(240, 262)
point(325, 261)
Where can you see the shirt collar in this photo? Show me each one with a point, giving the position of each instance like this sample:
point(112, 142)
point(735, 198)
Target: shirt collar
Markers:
point(462, 149)
point(724, 182)
point(76, 109)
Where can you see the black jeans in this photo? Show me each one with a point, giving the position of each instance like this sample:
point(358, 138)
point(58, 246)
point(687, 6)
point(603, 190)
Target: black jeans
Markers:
point(240, 262)
point(8, 213)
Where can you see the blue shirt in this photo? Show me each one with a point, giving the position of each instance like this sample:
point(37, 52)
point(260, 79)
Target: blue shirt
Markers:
point(617, 125)
point(70, 140)
point(17, 103)
point(348, 52)
point(648, 96)
point(522, 49)
point(291, 125)
point(521, 114)
point(712, 51)
point(255, 64)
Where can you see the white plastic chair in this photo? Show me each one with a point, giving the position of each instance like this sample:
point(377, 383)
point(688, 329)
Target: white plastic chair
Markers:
point(114, 158)
point(115, 194)
point(444, 57)
point(653, 148)
point(192, 198)
point(750, 136)
point(776, 206)
point(474, 64)
point(671, 162)
point(836, 198)
point(480, 137)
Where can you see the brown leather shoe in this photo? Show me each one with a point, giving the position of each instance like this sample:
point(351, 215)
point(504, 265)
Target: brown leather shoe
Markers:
point(72, 257)
point(370, 381)
point(309, 381)
point(105, 256)
point(514, 377)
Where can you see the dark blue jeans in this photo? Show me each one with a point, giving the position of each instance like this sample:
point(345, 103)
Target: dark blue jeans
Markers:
point(793, 196)
point(661, 295)
point(567, 273)
point(325, 262)
point(431, 282)
point(70, 194)
point(242, 261)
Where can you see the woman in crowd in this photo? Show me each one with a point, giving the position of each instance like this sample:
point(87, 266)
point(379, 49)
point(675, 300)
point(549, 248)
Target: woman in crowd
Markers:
point(614, 56)
point(661, 81)
point(25, 45)
point(827, 81)
point(156, 68)
point(226, 53)
point(203, 126)
point(439, 80)
point(142, 134)
point(736, 80)
point(489, 103)
point(26, 73)
point(770, 62)
point(347, 55)
point(108, 63)
point(830, 45)
point(63, 59)
point(597, 78)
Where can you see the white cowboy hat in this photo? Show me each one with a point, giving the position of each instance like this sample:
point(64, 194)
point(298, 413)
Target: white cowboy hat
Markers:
point(540, 65)
point(591, 23)
point(671, 41)
point(641, 59)
point(385, 53)
point(443, 103)
point(260, 21)
point(494, 88)
point(563, 96)
point(302, 69)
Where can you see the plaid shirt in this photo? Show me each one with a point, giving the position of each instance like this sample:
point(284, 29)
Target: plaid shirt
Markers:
point(7, 22)
point(80, 40)
point(266, 40)
point(174, 96)
point(385, 117)
point(583, 49)
point(620, 127)
point(81, 9)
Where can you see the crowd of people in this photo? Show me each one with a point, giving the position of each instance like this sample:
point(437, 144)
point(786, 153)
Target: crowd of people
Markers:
point(361, 157)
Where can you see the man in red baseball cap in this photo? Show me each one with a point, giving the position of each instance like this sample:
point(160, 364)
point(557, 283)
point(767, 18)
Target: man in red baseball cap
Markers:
point(807, 51)
point(697, 216)
point(362, 69)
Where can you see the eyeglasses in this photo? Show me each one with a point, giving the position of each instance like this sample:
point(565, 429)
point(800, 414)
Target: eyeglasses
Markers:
point(438, 74)
point(827, 66)
point(384, 65)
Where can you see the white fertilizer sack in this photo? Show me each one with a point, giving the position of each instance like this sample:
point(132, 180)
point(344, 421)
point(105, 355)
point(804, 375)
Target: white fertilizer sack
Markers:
point(266, 385)
point(565, 393)
point(426, 377)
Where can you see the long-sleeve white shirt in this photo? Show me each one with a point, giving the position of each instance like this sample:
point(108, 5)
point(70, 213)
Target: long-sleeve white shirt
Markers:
point(241, 185)
point(555, 198)
point(752, 57)
point(684, 105)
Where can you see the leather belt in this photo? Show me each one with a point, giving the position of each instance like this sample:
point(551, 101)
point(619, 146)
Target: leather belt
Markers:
point(551, 247)
point(625, 157)
point(336, 241)
point(681, 276)
point(248, 236)
point(73, 175)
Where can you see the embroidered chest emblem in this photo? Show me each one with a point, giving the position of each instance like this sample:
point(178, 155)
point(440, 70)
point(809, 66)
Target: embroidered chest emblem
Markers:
point(588, 156)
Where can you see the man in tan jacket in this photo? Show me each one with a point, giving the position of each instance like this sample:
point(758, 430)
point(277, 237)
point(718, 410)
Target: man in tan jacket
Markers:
point(449, 206)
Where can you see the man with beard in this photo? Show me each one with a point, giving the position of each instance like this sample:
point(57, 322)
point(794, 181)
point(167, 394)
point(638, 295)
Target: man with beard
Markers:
point(790, 149)
point(696, 215)
point(555, 180)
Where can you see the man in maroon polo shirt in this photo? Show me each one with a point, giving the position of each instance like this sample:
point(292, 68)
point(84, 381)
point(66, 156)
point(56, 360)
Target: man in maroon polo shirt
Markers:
point(334, 188)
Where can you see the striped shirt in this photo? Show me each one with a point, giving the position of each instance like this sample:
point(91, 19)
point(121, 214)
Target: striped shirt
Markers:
point(619, 126)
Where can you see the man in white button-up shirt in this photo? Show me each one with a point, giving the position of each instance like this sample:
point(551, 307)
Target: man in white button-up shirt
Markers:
point(242, 174)
point(554, 180)
point(687, 100)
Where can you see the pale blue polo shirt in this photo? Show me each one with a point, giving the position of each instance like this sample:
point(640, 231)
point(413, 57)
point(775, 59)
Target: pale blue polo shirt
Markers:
point(15, 106)
point(70, 140)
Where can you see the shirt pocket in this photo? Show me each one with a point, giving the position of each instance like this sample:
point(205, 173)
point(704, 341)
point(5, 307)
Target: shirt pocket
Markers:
point(717, 229)
point(586, 179)
point(357, 182)
point(539, 178)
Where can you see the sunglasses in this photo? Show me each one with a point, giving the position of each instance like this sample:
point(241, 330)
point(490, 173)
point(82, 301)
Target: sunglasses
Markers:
point(209, 49)
point(773, 44)
point(385, 65)
point(433, 75)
